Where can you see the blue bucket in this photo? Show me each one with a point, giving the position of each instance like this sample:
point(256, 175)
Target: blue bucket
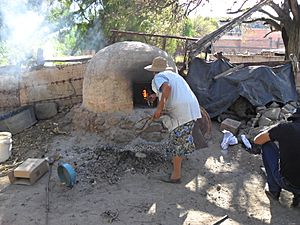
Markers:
point(66, 174)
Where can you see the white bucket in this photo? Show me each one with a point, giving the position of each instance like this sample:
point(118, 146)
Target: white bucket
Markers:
point(5, 146)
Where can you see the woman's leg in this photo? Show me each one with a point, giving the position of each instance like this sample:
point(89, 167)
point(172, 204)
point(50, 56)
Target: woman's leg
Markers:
point(176, 173)
point(182, 144)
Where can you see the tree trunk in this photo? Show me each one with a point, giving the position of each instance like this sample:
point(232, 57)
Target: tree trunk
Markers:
point(293, 40)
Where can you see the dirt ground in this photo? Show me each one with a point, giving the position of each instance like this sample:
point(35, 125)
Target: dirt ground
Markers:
point(114, 186)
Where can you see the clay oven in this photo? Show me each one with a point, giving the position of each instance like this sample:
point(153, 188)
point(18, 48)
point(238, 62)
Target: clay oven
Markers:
point(115, 79)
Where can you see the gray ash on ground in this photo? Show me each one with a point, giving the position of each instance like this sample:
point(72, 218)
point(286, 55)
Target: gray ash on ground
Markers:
point(94, 160)
point(110, 163)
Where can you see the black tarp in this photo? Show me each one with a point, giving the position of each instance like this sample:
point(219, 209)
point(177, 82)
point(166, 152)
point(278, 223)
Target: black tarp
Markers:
point(260, 85)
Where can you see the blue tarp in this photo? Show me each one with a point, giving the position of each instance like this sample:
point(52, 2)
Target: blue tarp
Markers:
point(260, 85)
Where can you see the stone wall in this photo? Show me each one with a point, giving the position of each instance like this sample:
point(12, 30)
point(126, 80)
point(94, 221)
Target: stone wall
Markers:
point(60, 84)
point(9, 87)
point(120, 127)
point(135, 127)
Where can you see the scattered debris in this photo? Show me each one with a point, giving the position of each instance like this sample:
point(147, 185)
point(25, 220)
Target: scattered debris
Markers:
point(110, 163)
point(220, 220)
point(111, 215)
point(246, 141)
point(228, 139)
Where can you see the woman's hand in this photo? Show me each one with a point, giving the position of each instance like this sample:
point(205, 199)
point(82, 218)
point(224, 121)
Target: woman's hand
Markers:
point(157, 114)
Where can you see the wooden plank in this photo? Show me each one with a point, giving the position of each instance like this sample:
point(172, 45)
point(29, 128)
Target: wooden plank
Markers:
point(27, 167)
point(228, 72)
point(153, 35)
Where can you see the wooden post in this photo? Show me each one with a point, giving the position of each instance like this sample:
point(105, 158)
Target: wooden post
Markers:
point(164, 43)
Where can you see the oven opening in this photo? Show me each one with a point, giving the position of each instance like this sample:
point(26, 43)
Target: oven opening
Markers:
point(141, 91)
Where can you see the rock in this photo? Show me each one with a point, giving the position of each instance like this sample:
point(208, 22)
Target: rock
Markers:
point(153, 137)
point(126, 124)
point(230, 125)
point(154, 128)
point(272, 113)
point(288, 108)
point(140, 155)
point(99, 124)
point(274, 105)
point(113, 120)
point(122, 136)
point(295, 104)
point(45, 111)
point(264, 121)
point(254, 121)
point(260, 108)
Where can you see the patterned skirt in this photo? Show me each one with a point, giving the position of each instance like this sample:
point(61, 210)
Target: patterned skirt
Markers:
point(181, 140)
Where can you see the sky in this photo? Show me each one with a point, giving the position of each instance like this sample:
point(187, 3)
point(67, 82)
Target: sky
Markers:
point(217, 8)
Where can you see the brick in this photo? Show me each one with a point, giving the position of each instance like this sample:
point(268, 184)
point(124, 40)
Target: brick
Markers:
point(230, 125)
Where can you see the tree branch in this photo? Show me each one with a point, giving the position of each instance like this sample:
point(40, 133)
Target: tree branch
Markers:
point(240, 9)
point(271, 31)
point(271, 22)
point(270, 15)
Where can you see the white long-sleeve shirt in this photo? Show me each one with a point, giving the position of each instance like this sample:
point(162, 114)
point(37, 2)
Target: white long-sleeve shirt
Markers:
point(182, 105)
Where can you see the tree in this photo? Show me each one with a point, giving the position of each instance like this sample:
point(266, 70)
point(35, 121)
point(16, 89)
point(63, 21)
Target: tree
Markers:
point(91, 20)
point(286, 20)
point(86, 24)
point(204, 25)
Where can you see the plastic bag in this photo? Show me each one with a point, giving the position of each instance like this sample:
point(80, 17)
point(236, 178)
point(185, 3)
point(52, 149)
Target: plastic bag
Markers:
point(228, 139)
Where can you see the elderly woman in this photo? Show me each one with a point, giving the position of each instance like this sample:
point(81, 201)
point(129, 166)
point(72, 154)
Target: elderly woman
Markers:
point(182, 107)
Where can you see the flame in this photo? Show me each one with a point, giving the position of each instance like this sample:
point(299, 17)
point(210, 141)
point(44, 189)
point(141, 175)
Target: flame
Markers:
point(145, 93)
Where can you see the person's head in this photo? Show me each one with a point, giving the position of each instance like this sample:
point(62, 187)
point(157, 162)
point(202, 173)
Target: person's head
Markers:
point(295, 117)
point(159, 64)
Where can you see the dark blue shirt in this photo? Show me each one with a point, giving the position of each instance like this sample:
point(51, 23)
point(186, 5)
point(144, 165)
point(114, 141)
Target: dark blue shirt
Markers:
point(288, 137)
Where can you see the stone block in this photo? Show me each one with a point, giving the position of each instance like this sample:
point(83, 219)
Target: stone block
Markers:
point(45, 111)
point(272, 113)
point(230, 125)
point(264, 121)
point(260, 108)
point(288, 108)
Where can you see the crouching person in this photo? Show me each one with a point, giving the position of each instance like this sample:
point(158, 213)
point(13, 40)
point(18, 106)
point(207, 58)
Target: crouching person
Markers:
point(282, 164)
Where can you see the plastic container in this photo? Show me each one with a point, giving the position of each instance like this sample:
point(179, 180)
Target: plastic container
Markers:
point(66, 174)
point(5, 146)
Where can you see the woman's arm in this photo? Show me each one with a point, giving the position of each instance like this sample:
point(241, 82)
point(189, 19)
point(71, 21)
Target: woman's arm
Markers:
point(166, 90)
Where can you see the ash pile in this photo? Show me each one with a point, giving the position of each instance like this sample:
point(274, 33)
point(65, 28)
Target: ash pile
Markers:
point(109, 163)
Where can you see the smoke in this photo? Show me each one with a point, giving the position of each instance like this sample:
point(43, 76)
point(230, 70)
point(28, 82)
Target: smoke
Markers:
point(23, 29)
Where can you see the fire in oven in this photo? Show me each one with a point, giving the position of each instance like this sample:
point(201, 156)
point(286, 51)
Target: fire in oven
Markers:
point(141, 91)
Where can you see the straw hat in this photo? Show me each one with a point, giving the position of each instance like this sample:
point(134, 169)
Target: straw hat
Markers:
point(158, 64)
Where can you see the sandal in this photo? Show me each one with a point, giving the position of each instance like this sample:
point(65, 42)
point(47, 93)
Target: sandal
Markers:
point(172, 181)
